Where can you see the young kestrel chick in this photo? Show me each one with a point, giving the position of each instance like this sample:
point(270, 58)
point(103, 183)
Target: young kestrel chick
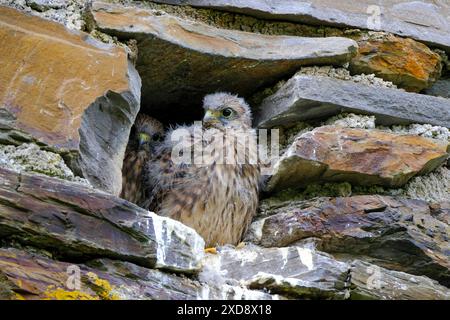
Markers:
point(148, 133)
point(219, 197)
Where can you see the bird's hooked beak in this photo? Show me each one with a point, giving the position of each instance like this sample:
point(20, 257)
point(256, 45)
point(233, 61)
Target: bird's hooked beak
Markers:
point(211, 118)
point(143, 139)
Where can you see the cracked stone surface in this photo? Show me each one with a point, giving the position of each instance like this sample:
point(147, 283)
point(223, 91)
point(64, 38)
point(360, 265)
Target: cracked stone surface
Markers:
point(425, 21)
point(180, 60)
point(305, 97)
point(395, 233)
point(81, 223)
point(102, 279)
point(359, 156)
point(69, 92)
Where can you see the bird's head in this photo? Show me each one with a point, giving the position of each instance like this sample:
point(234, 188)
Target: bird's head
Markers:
point(226, 111)
point(149, 132)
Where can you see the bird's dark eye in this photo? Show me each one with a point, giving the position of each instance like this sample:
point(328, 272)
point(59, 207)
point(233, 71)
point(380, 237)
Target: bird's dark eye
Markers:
point(227, 112)
point(156, 137)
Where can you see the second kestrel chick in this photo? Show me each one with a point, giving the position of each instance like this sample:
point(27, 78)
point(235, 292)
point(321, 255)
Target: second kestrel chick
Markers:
point(148, 133)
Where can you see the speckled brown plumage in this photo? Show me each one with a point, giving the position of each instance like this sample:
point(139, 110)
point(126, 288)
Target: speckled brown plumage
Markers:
point(137, 154)
point(217, 199)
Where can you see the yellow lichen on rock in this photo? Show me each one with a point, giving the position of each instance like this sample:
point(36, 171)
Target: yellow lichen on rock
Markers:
point(102, 287)
point(53, 293)
point(18, 296)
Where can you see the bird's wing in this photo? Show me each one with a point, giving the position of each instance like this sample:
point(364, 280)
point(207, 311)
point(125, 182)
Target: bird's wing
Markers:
point(158, 179)
point(132, 183)
point(163, 174)
point(181, 179)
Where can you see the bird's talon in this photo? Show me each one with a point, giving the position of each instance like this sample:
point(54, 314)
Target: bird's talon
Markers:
point(212, 250)
point(240, 245)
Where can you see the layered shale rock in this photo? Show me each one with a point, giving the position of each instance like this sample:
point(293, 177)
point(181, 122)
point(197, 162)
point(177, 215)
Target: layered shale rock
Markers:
point(305, 97)
point(302, 272)
point(69, 92)
point(398, 234)
point(75, 222)
point(68, 101)
point(370, 281)
point(421, 20)
point(180, 60)
point(33, 276)
point(358, 156)
point(407, 63)
point(441, 211)
point(440, 89)
point(292, 271)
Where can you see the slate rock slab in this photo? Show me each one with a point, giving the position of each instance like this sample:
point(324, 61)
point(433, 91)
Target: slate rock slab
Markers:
point(409, 64)
point(440, 89)
point(305, 97)
point(75, 222)
point(180, 61)
point(69, 92)
point(295, 272)
point(425, 21)
point(30, 276)
point(370, 281)
point(398, 234)
point(359, 156)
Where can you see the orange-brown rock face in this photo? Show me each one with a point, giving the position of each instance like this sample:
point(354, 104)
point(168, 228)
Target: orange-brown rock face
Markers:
point(364, 157)
point(68, 91)
point(407, 63)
